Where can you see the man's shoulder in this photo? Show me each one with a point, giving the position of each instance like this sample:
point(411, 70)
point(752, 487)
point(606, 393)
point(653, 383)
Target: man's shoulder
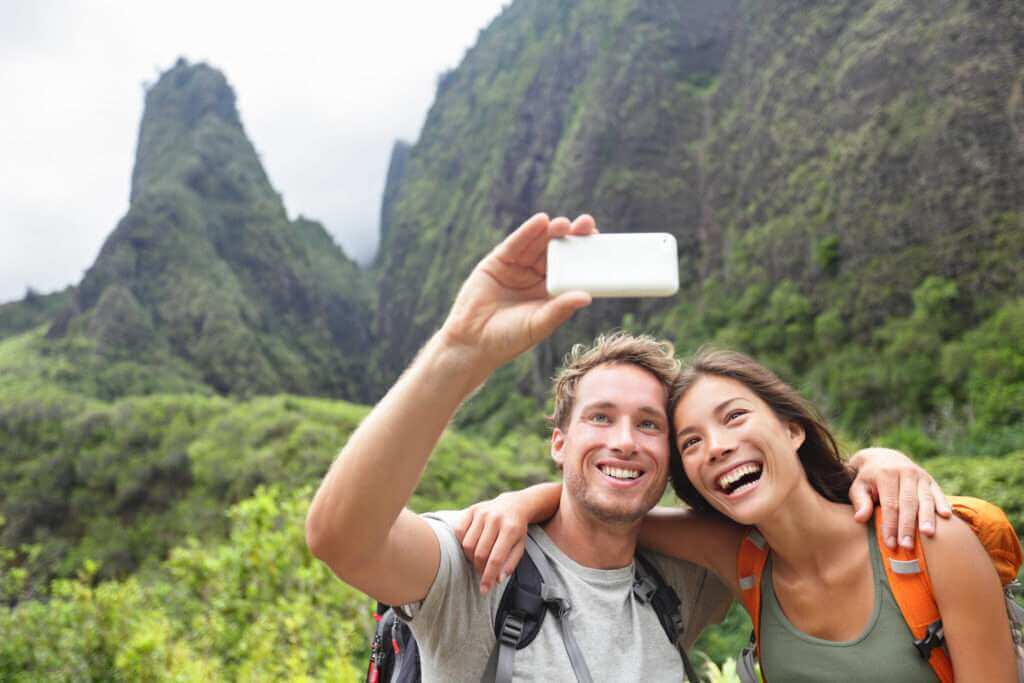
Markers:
point(674, 569)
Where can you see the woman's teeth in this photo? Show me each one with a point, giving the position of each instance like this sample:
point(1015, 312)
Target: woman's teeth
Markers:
point(619, 473)
point(740, 478)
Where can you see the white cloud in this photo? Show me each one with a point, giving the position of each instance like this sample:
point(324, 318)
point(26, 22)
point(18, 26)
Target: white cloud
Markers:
point(324, 89)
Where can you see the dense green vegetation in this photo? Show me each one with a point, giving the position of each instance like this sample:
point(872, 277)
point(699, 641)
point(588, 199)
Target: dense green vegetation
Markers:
point(33, 310)
point(162, 423)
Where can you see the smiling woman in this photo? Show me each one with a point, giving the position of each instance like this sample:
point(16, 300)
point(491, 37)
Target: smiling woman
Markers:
point(822, 594)
point(737, 380)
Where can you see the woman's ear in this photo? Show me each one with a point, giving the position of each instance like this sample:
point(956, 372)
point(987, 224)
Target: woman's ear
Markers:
point(796, 434)
point(557, 446)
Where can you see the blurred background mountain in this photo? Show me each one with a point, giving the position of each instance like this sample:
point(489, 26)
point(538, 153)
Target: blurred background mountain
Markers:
point(846, 184)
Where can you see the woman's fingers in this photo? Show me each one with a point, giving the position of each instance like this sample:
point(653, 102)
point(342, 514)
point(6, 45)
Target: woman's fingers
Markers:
point(926, 506)
point(510, 539)
point(471, 535)
point(908, 508)
point(942, 505)
point(863, 501)
point(488, 535)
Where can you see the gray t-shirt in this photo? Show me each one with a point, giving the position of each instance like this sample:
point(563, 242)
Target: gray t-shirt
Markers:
point(621, 639)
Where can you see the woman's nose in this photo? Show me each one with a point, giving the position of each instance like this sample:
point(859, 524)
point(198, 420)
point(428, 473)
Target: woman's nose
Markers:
point(720, 444)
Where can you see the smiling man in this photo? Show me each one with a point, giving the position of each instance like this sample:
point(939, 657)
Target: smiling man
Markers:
point(611, 441)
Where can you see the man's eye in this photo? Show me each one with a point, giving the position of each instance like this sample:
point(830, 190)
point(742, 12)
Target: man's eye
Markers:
point(649, 424)
point(600, 418)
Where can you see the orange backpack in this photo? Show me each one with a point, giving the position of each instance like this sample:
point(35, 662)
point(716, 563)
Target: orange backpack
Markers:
point(907, 572)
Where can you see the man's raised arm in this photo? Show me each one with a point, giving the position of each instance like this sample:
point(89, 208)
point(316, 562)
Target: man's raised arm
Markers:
point(357, 523)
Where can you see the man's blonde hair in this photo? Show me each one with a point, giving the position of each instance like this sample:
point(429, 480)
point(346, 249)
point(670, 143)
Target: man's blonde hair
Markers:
point(644, 351)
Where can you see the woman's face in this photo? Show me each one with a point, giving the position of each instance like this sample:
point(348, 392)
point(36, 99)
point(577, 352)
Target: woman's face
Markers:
point(737, 453)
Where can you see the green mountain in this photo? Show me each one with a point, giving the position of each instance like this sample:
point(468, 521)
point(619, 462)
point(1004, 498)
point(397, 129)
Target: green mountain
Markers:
point(845, 181)
point(205, 284)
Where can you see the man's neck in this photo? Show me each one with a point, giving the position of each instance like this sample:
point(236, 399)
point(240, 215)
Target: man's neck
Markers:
point(589, 541)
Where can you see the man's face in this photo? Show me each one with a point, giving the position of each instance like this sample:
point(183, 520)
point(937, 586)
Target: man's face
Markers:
point(614, 451)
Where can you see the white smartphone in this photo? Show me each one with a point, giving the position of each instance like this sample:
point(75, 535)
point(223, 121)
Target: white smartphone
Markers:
point(629, 264)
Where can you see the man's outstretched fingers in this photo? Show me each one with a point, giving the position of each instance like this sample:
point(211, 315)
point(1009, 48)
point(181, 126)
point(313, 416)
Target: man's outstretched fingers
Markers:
point(559, 227)
point(553, 313)
point(583, 225)
point(530, 236)
point(908, 509)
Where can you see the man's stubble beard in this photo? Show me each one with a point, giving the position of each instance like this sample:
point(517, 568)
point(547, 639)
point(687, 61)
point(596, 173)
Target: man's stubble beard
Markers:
point(579, 492)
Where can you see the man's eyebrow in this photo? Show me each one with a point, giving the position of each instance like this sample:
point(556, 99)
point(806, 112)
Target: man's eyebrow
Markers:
point(611, 404)
point(717, 409)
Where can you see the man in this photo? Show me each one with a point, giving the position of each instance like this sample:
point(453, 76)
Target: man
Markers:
point(613, 451)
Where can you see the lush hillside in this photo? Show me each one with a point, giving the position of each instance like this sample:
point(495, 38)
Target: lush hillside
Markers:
point(121, 483)
point(835, 175)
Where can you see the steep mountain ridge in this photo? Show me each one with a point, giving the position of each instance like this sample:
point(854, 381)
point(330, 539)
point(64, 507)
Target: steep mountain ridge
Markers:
point(205, 275)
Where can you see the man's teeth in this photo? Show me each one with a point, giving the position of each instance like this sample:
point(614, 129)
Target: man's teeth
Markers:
point(732, 476)
point(620, 473)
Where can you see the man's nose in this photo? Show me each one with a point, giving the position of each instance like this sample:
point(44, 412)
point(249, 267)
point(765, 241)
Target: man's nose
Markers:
point(623, 438)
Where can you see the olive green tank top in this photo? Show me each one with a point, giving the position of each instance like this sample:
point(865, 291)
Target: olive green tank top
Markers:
point(883, 652)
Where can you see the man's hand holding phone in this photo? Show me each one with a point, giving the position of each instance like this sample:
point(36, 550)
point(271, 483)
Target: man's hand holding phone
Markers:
point(503, 308)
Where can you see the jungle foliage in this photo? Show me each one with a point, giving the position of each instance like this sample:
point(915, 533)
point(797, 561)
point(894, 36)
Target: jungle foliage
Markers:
point(162, 423)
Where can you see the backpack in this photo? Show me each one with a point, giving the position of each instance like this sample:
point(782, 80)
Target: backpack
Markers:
point(529, 596)
point(907, 573)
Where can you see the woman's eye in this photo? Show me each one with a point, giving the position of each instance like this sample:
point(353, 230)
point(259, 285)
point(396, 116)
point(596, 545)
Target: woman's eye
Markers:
point(733, 414)
point(685, 445)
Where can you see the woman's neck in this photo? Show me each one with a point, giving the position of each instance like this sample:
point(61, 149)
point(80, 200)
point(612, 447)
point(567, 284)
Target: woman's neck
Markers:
point(808, 532)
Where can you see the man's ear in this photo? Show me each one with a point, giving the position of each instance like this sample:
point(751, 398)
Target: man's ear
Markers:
point(796, 434)
point(557, 446)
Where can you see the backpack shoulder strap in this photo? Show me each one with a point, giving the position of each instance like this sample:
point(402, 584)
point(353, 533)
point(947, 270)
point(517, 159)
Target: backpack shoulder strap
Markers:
point(995, 531)
point(528, 595)
point(649, 586)
point(750, 563)
point(907, 573)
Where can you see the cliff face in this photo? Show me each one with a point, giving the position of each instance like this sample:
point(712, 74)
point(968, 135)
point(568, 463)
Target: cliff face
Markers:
point(815, 161)
point(563, 107)
point(870, 142)
point(205, 271)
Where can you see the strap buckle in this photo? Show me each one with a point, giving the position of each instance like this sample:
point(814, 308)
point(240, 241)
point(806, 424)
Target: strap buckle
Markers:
point(933, 638)
point(644, 589)
point(512, 630)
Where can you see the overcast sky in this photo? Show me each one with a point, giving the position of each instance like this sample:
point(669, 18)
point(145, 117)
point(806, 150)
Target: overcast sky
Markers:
point(324, 89)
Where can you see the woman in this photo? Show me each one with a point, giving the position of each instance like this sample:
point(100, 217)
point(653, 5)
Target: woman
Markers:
point(752, 452)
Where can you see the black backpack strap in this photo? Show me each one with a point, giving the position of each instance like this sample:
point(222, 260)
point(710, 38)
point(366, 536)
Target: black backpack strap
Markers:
point(650, 587)
point(528, 595)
